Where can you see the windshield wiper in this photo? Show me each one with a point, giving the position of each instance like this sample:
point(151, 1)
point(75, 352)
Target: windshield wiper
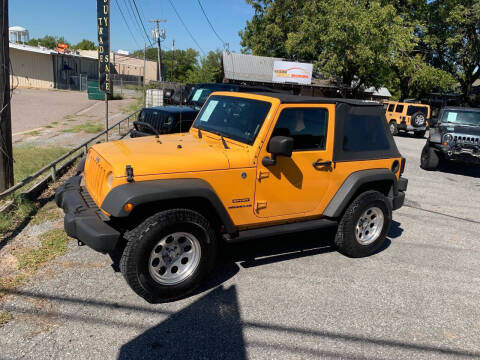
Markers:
point(221, 137)
point(199, 133)
point(224, 142)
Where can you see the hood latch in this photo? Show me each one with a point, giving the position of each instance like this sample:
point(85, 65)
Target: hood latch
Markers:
point(129, 171)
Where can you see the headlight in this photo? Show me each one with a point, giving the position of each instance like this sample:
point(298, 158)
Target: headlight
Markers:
point(110, 180)
point(447, 138)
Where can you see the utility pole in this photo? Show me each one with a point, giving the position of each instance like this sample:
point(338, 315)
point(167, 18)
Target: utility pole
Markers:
point(158, 37)
point(173, 56)
point(144, 74)
point(6, 156)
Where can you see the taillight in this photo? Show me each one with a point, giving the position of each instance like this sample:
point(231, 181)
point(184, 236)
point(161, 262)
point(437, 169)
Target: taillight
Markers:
point(402, 165)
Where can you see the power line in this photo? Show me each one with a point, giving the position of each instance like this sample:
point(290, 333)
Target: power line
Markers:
point(141, 21)
point(208, 20)
point(186, 28)
point(126, 23)
point(131, 12)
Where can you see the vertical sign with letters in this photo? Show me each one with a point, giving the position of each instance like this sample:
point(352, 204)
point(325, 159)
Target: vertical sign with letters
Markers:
point(103, 26)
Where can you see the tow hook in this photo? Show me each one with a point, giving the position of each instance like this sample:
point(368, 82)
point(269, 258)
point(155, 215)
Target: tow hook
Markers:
point(449, 152)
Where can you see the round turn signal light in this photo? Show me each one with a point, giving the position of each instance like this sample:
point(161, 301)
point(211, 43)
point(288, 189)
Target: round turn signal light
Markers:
point(128, 207)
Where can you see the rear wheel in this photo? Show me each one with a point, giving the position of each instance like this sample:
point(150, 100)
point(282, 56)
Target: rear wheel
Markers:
point(393, 127)
point(429, 159)
point(169, 255)
point(364, 226)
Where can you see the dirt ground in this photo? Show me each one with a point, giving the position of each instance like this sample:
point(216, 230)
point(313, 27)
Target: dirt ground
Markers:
point(43, 117)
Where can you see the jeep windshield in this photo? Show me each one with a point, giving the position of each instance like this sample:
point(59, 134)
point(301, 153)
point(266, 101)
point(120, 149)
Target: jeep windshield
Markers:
point(233, 117)
point(461, 117)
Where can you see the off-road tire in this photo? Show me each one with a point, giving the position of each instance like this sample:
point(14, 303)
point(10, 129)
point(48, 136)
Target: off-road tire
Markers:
point(345, 238)
point(392, 126)
point(134, 263)
point(414, 121)
point(419, 134)
point(429, 159)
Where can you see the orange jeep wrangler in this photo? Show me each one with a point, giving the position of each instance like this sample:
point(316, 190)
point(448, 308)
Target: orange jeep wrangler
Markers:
point(407, 117)
point(251, 166)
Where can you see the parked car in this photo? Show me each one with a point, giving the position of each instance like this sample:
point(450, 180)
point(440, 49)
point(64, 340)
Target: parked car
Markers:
point(174, 119)
point(453, 136)
point(407, 117)
point(251, 166)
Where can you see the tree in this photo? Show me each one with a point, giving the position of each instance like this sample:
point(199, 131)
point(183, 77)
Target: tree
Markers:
point(85, 45)
point(453, 40)
point(48, 41)
point(183, 62)
point(209, 69)
point(351, 41)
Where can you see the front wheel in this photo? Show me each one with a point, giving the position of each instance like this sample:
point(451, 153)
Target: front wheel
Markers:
point(429, 159)
point(169, 255)
point(364, 226)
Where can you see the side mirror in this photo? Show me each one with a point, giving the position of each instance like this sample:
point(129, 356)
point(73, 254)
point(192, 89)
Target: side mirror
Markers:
point(278, 146)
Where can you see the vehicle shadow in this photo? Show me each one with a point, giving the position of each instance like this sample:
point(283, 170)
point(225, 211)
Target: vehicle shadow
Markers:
point(459, 169)
point(264, 251)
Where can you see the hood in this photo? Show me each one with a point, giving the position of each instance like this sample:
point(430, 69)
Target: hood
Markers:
point(172, 109)
point(460, 129)
point(175, 153)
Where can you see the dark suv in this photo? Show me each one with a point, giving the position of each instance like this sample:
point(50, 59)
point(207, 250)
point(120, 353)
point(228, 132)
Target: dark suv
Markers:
point(175, 118)
point(454, 136)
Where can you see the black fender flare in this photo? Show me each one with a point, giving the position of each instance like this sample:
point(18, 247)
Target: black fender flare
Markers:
point(352, 183)
point(144, 192)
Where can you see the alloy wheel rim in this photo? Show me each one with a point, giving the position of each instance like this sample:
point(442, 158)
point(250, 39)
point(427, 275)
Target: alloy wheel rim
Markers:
point(369, 226)
point(392, 128)
point(419, 120)
point(174, 258)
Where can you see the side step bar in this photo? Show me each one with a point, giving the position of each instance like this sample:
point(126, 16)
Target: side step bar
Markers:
point(282, 229)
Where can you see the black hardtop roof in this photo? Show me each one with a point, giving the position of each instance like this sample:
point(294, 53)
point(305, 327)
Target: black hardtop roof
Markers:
point(459, 108)
point(297, 99)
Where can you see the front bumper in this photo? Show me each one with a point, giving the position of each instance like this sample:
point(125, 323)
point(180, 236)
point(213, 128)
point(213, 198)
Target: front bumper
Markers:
point(399, 199)
point(83, 219)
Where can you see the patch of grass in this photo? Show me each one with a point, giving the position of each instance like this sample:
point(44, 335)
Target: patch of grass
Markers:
point(133, 107)
point(5, 317)
point(29, 159)
point(49, 126)
point(46, 213)
point(70, 117)
point(22, 209)
point(88, 127)
point(54, 123)
point(53, 243)
point(33, 133)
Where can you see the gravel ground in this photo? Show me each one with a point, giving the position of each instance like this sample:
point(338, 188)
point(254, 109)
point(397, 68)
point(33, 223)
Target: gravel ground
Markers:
point(290, 297)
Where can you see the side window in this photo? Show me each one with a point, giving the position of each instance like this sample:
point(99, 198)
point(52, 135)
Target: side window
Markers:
point(307, 127)
point(364, 133)
point(399, 109)
point(391, 107)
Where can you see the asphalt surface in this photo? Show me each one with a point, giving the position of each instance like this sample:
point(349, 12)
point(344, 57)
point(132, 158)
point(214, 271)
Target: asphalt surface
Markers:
point(287, 298)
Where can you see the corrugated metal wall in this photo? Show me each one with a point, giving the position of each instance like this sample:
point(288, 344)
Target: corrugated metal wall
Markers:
point(31, 69)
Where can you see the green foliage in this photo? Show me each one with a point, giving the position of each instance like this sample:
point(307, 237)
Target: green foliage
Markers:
point(209, 69)
point(452, 40)
point(412, 46)
point(29, 159)
point(48, 41)
point(177, 63)
point(85, 45)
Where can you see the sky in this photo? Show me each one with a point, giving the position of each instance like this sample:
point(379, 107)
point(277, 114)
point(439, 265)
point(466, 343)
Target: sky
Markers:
point(76, 20)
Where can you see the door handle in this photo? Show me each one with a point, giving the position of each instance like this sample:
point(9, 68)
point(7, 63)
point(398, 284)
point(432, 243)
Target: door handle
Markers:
point(318, 164)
